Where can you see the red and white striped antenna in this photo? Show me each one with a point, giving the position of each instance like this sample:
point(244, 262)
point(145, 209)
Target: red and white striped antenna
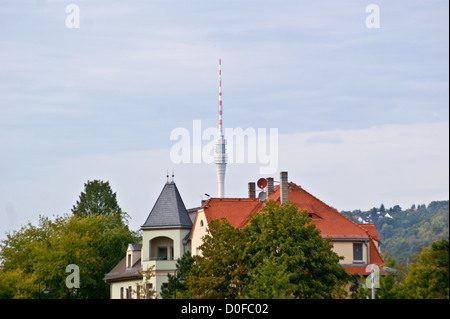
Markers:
point(220, 98)
point(220, 154)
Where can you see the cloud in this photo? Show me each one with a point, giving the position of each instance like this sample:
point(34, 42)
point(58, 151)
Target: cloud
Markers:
point(324, 138)
point(390, 164)
point(96, 102)
point(347, 169)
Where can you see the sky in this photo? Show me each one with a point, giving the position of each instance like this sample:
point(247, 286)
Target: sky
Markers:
point(361, 113)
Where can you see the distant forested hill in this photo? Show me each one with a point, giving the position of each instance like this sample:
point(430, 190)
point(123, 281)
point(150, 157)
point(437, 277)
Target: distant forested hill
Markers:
point(404, 232)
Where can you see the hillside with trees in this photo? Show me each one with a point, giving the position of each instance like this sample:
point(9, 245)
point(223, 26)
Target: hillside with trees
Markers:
point(404, 232)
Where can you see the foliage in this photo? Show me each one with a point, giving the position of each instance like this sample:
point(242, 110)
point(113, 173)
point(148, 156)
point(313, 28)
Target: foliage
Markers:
point(33, 254)
point(407, 231)
point(428, 277)
point(142, 290)
point(269, 281)
point(98, 199)
point(16, 284)
point(220, 273)
point(184, 265)
point(279, 254)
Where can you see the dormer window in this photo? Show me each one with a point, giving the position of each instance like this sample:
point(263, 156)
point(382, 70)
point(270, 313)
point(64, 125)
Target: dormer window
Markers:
point(129, 261)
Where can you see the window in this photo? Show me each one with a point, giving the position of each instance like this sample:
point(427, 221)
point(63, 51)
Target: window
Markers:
point(138, 291)
point(129, 261)
point(149, 288)
point(201, 224)
point(358, 252)
point(162, 253)
point(121, 292)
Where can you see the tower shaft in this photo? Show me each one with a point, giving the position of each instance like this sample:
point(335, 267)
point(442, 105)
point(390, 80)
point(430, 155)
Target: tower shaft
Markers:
point(220, 155)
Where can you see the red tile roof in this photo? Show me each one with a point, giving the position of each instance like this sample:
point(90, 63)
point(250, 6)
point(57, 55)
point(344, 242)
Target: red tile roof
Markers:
point(372, 230)
point(375, 256)
point(328, 220)
point(331, 223)
point(360, 270)
point(235, 210)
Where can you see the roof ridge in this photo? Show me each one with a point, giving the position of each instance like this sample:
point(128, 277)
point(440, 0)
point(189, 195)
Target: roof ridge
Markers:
point(233, 198)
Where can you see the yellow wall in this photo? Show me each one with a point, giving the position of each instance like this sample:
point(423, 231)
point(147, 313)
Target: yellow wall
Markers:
point(198, 232)
point(345, 249)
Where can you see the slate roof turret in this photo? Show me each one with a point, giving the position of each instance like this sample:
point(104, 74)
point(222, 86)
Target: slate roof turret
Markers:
point(169, 210)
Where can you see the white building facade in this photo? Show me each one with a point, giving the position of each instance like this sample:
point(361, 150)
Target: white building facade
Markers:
point(165, 238)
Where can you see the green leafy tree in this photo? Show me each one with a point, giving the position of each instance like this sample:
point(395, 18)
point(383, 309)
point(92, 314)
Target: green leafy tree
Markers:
point(428, 277)
point(269, 281)
point(184, 265)
point(97, 199)
point(94, 238)
point(52, 246)
point(220, 273)
point(389, 281)
point(279, 254)
point(17, 284)
point(286, 236)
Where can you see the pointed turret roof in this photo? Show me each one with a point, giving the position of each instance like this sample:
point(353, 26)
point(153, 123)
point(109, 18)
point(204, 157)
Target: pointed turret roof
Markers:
point(169, 210)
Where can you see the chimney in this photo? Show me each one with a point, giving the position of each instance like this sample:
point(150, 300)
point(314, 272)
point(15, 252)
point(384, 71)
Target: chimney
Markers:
point(269, 185)
point(251, 190)
point(283, 187)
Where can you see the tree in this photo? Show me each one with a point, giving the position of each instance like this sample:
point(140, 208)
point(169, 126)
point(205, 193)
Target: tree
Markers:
point(286, 235)
point(97, 199)
point(279, 254)
point(428, 277)
point(143, 291)
point(269, 281)
point(16, 284)
point(220, 273)
point(184, 265)
point(41, 254)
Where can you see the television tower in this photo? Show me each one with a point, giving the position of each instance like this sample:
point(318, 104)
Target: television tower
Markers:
point(220, 155)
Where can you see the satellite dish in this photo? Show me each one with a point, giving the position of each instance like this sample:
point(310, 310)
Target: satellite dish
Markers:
point(262, 196)
point(262, 182)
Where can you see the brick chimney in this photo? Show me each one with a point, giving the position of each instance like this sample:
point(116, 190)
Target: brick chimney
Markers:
point(251, 190)
point(283, 187)
point(269, 185)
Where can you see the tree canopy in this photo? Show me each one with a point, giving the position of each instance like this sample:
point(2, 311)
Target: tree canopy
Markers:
point(428, 277)
point(95, 242)
point(405, 232)
point(97, 199)
point(278, 254)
